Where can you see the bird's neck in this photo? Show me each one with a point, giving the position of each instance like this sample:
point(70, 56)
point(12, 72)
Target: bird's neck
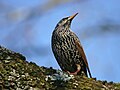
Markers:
point(64, 30)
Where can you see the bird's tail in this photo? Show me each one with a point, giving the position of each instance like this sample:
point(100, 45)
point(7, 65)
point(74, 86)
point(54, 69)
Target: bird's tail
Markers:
point(89, 72)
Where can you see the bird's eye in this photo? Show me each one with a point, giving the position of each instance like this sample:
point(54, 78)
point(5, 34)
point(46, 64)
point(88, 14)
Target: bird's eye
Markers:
point(62, 22)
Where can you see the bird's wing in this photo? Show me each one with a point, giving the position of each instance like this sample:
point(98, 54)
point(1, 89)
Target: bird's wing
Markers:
point(81, 51)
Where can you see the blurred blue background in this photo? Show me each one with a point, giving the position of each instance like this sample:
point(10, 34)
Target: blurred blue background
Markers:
point(26, 26)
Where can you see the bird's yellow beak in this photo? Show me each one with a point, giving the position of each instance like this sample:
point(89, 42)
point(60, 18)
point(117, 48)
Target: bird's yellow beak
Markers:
point(71, 17)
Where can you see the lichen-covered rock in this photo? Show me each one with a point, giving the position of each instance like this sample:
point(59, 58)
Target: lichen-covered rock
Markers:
point(6, 54)
point(18, 74)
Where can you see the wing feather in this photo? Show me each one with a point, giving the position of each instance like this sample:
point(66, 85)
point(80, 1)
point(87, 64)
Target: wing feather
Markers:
point(81, 51)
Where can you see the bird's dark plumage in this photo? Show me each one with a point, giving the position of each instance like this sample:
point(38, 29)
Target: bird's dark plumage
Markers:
point(67, 48)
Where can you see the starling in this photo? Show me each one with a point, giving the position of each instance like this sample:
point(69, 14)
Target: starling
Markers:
point(67, 49)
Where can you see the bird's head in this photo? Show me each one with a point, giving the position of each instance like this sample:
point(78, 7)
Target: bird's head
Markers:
point(66, 22)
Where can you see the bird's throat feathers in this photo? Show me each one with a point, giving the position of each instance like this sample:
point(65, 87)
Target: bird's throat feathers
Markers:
point(62, 29)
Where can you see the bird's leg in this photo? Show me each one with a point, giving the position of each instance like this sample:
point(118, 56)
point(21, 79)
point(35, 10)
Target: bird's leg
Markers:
point(78, 69)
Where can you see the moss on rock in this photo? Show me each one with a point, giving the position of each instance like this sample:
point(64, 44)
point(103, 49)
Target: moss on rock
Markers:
point(18, 74)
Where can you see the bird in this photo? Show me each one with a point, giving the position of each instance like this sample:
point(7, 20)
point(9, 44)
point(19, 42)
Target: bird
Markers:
point(68, 50)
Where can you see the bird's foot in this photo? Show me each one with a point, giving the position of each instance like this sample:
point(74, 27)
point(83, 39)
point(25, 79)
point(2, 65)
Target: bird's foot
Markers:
point(75, 73)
